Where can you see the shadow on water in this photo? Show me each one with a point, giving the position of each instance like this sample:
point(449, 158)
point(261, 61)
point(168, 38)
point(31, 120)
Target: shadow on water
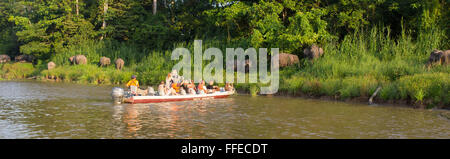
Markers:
point(61, 110)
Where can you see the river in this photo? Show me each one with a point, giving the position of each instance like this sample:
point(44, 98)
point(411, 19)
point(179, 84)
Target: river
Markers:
point(31, 109)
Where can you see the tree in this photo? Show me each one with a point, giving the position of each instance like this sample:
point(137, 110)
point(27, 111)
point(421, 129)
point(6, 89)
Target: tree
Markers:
point(50, 28)
point(154, 7)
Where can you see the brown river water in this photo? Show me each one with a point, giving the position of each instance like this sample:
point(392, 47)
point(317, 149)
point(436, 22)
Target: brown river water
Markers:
point(64, 110)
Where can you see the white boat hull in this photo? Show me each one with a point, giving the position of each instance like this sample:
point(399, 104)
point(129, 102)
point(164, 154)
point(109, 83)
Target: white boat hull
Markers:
point(158, 99)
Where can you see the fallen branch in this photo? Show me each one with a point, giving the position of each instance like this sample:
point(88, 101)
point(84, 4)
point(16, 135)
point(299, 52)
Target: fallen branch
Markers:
point(373, 95)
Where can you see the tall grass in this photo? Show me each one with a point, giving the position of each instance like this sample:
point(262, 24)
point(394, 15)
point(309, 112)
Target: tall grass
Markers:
point(17, 70)
point(91, 74)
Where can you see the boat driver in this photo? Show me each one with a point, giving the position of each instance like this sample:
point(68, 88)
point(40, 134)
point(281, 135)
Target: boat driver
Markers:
point(133, 85)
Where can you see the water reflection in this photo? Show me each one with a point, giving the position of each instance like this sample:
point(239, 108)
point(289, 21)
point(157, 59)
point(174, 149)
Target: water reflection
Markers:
point(55, 110)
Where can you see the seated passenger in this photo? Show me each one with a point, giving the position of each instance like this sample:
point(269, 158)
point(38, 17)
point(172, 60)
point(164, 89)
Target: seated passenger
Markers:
point(168, 81)
point(162, 91)
point(191, 88)
point(201, 88)
point(182, 91)
point(185, 85)
point(175, 89)
point(229, 87)
point(172, 92)
point(211, 87)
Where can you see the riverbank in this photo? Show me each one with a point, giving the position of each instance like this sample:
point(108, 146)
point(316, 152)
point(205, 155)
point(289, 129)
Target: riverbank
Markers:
point(91, 74)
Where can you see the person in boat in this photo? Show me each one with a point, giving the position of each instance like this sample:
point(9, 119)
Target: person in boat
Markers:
point(175, 78)
point(229, 87)
point(172, 92)
point(191, 87)
point(185, 87)
point(133, 85)
point(201, 89)
point(211, 87)
point(175, 90)
point(182, 91)
point(168, 80)
point(162, 91)
point(184, 84)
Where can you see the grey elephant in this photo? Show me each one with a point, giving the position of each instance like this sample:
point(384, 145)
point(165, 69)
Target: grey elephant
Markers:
point(313, 52)
point(119, 63)
point(78, 60)
point(438, 57)
point(24, 58)
point(51, 65)
point(104, 61)
point(287, 59)
point(4, 58)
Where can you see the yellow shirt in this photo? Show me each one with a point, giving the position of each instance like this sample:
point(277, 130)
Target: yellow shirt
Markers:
point(133, 82)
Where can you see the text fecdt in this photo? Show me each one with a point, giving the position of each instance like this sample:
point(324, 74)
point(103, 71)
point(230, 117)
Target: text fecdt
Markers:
point(229, 148)
point(245, 148)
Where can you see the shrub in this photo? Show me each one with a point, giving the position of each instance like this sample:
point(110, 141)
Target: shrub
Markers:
point(426, 86)
point(389, 92)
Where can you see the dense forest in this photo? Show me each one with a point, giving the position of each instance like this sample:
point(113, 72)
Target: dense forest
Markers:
point(45, 27)
point(367, 43)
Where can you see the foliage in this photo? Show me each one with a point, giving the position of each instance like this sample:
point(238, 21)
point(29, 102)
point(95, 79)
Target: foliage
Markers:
point(17, 70)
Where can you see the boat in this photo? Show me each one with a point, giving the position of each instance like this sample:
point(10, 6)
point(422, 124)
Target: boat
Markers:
point(158, 99)
point(119, 97)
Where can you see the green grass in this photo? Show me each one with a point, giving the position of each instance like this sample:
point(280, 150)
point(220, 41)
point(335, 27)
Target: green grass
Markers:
point(17, 70)
point(363, 61)
point(91, 74)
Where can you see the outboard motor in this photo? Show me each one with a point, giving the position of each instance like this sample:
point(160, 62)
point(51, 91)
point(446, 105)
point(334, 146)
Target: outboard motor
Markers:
point(117, 95)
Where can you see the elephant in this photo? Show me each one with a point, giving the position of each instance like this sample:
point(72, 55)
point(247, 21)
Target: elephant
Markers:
point(287, 59)
point(4, 58)
point(78, 59)
point(446, 59)
point(247, 65)
point(24, 58)
point(439, 57)
point(51, 65)
point(104, 61)
point(313, 52)
point(119, 63)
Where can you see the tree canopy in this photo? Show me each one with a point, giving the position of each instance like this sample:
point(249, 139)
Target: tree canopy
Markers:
point(44, 27)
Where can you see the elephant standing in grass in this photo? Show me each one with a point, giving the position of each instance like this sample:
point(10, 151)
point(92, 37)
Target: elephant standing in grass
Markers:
point(51, 65)
point(439, 57)
point(78, 60)
point(313, 52)
point(24, 58)
point(287, 59)
point(104, 61)
point(119, 63)
point(4, 58)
